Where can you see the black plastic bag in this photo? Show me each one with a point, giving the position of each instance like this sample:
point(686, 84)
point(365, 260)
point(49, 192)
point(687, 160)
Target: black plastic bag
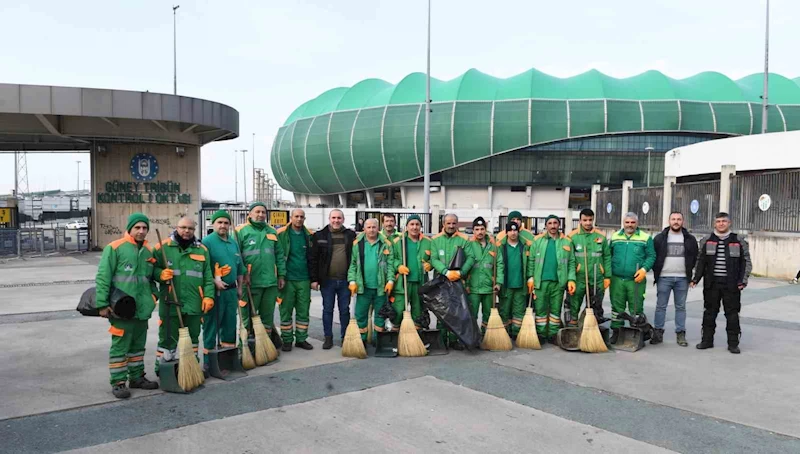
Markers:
point(448, 302)
point(424, 319)
point(122, 305)
point(387, 311)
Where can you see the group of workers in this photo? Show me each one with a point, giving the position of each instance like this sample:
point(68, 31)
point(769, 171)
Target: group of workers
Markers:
point(206, 280)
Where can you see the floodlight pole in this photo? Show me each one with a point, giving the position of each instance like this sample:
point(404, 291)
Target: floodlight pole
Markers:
point(764, 97)
point(426, 207)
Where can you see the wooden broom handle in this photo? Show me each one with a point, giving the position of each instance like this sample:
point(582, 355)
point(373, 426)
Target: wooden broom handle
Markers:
point(586, 273)
point(494, 276)
point(169, 284)
point(405, 278)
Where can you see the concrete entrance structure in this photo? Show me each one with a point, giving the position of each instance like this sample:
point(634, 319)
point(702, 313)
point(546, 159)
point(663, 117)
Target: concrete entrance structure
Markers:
point(145, 147)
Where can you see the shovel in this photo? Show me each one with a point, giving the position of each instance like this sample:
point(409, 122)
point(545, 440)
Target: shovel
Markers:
point(168, 370)
point(569, 337)
point(632, 339)
point(386, 340)
point(223, 362)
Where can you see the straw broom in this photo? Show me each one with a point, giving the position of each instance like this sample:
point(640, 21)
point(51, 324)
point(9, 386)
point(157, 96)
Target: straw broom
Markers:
point(496, 337)
point(527, 337)
point(353, 346)
point(190, 374)
point(370, 326)
point(265, 349)
point(591, 340)
point(409, 343)
point(247, 358)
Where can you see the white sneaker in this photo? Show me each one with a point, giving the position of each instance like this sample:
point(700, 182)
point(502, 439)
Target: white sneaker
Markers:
point(794, 281)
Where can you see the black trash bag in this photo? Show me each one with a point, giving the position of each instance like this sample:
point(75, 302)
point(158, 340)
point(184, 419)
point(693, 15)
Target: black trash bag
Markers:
point(458, 259)
point(122, 305)
point(424, 319)
point(387, 311)
point(448, 302)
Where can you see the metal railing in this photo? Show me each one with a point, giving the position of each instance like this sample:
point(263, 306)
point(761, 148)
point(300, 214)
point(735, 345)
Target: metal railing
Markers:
point(44, 241)
point(766, 202)
point(648, 204)
point(275, 218)
point(698, 202)
point(400, 219)
point(609, 205)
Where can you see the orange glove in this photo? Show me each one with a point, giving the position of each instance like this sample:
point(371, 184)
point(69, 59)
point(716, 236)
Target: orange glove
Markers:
point(221, 271)
point(427, 266)
point(208, 304)
point(640, 275)
point(389, 286)
point(166, 274)
point(571, 288)
point(353, 288)
point(242, 303)
point(530, 285)
point(453, 275)
point(606, 283)
point(402, 269)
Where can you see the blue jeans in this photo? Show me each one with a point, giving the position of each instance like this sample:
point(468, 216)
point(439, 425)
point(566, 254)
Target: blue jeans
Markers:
point(679, 287)
point(331, 289)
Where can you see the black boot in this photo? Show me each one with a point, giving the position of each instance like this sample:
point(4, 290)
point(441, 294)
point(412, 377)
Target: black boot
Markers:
point(304, 345)
point(707, 340)
point(120, 391)
point(614, 335)
point(658, 337)
point(328, 344)
point(143, 383)
point(734, 349)
point(287, 347)
point(733, 343)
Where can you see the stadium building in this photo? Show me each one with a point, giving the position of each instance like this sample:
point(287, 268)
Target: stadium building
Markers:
point(526, 142)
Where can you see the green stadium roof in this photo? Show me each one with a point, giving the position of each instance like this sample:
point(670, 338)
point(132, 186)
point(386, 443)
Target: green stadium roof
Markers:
point(371, 134)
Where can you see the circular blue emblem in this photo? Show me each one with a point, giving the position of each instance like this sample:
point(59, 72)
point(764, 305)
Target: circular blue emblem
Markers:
point(694, 207)
point(144, 167)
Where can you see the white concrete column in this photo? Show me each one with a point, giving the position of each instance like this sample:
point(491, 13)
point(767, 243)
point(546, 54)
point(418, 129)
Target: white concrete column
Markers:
point(443, 190)
point(595, 190)
point(298, 198)
point(489, 190)
point(529, 195)
point(404, 196)
point(370, 198)
point(666, 207)
point(435, 227)
point(343, 199)
point(725, 175)
point(567, 210)
point(626, 186)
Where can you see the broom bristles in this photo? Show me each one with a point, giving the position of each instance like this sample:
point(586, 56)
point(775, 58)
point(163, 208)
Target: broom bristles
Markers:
point(496, 337)
point(353, 346)
point(370, 327)
point(410, 344)
point(272, 352)
point(527, 337)
point(247, 358)
point(190, 375)
point(591, 339)
point(261, 341)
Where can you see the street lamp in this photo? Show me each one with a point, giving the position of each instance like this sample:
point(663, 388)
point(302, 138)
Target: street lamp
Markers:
point(648, 150)
point(78, 179)
point(175, 49)
point(254, 167)
point(244, 178)
point(235, 178)
point(426, 178)
point(765, 95)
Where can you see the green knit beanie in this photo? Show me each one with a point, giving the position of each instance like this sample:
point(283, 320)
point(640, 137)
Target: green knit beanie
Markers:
point(552, 216)
point(256, 204)
point(220, 214)
point(414, 217)
point(514, 215)
point(137, 217)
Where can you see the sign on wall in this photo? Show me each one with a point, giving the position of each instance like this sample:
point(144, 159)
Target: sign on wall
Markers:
point(144, 169)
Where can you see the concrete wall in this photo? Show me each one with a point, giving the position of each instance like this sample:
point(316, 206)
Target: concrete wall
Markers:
point(775, 254)
point(163, 207)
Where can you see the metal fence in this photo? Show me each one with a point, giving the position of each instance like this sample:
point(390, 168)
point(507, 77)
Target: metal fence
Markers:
point(275, 218)
point(44, 241)
point(648, 204)
point(536, 224)
point(609, 205)
point(698, 202)
point(400, 219)
point(766, 202)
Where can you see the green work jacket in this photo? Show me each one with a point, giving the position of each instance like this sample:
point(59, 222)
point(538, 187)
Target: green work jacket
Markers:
point(385, 271)
point(263, 253)
point(193, 278)
point(481, 275)
point(225, 252)
point(423, 256)
point(593, 247)
point(564, 256)
point(629, 251)
point(128, 267)
point(443, 249)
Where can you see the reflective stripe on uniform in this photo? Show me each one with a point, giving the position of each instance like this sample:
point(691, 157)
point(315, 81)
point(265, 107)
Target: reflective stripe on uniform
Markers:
point(195, 274)
point(176, 272)
point(488, 265)
point(120, 278)
point(249, 253)
point(269, 251)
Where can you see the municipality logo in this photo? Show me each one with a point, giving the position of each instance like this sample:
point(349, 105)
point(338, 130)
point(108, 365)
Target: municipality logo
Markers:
point(144, 167)
point(128, 267)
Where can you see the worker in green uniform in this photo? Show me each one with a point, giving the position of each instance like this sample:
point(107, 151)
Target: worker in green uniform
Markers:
point(417, 265)
point(389, 224)
point(445, 244)
point(525, 235)
point(188, 270)
point(632, 256)
point(370, 275)
point(589, 244)
point(127, 264)
point(513, 296)
point(265, 263)
point(229, 271)
point(295, 298)
point(482, 283)
point(550, 270)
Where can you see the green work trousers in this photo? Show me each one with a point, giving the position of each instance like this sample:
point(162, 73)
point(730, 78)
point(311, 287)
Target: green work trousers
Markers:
point(512, 308)
point(578, 300)
point(626, 295)
point(222, 318)
point(296, 302)
point(549, 298)
point(264, 301)
point(400, 305)
point(126, 355)
point(365, 301)
point(482, 302)
point(168, 342)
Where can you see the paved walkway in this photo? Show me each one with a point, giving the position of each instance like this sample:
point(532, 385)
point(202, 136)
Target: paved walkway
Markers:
point(663, 398)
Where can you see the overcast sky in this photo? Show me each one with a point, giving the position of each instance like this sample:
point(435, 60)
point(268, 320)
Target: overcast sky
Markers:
point(265, 58)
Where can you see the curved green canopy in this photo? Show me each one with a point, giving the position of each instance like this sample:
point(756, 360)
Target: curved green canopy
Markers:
point(371, 134)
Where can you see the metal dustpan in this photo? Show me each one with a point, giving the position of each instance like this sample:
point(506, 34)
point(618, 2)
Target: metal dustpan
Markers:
point(432, 338)
point(569, 339)
point(386, 344)
point(632, 338)
point(224, 363)
point(168, 377)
